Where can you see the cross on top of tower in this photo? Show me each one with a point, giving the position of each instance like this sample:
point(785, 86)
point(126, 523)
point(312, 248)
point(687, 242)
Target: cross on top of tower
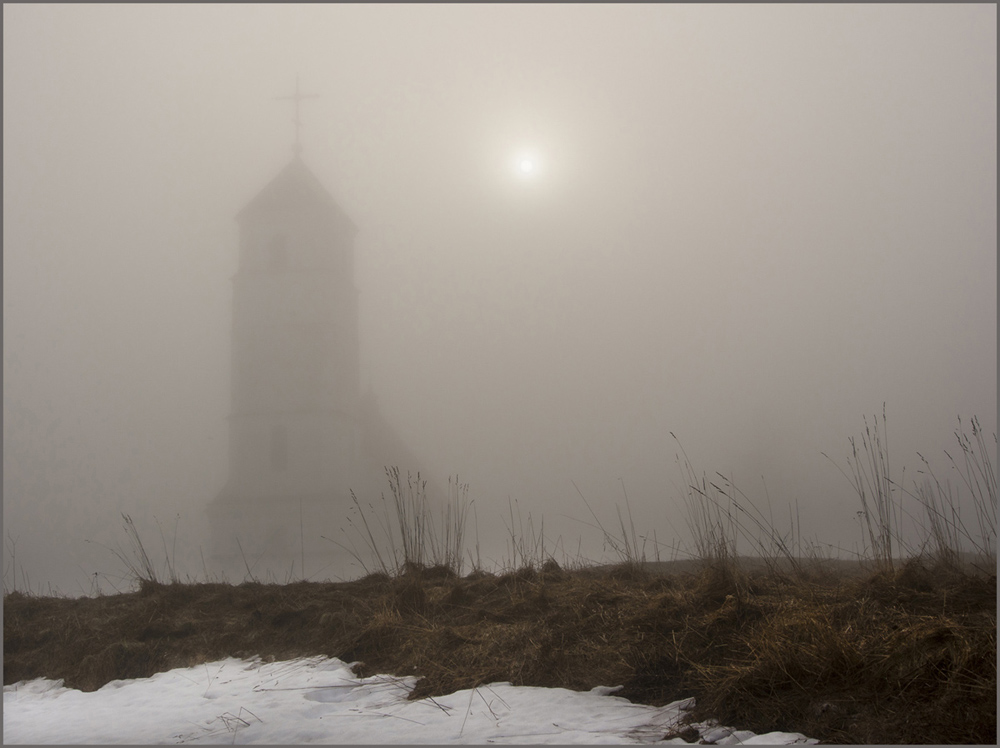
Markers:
point(297, 97)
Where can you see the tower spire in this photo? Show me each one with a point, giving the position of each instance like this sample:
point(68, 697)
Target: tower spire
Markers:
point(297, 97)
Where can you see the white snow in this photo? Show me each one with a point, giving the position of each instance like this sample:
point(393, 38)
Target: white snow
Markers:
point(319, 700)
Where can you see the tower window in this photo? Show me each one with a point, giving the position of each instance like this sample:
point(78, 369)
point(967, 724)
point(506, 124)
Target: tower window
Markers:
point(279, 448)
point(277, 254)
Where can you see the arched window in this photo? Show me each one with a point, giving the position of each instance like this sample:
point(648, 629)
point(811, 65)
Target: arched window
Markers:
point(277, 254)
point(279, 447)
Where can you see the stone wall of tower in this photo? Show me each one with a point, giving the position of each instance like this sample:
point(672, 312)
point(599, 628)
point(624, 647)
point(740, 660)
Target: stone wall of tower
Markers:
point(295, 355)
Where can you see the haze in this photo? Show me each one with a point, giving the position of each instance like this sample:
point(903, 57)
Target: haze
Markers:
point(750, 226)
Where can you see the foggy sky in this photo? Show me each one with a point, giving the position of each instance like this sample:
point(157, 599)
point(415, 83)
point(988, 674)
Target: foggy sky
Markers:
point(750, 226)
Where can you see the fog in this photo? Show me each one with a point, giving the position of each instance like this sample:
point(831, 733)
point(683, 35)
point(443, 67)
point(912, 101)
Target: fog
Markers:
point(747, 226)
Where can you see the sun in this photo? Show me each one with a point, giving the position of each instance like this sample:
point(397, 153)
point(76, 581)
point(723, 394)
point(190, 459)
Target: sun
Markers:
point(526, 164)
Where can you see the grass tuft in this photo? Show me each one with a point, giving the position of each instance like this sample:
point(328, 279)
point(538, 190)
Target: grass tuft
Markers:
point(409, 532)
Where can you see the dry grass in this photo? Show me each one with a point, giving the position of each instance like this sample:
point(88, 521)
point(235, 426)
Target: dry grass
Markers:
point(906, 656)
point(876, 650)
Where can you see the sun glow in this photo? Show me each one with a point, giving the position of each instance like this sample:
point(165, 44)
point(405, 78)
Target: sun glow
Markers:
point(526, 165)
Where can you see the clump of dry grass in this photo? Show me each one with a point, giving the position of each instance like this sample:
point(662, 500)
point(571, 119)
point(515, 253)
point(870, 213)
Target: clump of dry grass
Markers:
point(948, 534)
point(525, 546)
point(625, 545)
point(879, 661)
point(410, 531)
point(944, 536)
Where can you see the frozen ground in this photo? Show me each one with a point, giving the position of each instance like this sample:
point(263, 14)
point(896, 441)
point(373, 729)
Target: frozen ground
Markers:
point(319, 700)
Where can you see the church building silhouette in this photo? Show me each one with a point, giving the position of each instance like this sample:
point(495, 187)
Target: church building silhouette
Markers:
point(301, 434)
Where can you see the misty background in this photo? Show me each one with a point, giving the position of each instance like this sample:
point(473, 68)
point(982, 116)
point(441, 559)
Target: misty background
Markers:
point(750, 226)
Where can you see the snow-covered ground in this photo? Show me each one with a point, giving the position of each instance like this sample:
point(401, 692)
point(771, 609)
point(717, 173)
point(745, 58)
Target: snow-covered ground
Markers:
point(319, 700)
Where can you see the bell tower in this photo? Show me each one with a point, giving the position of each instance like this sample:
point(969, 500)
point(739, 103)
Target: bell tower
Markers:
point(294, 427)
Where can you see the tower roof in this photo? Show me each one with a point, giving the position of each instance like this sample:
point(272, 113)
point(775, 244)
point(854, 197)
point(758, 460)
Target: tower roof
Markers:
point(294, 189)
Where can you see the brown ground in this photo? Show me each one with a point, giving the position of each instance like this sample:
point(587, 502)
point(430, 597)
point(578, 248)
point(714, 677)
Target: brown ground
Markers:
point(906, 657)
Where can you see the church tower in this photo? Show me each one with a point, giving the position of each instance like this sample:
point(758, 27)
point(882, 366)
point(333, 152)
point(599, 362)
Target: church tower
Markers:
point(301, 436)
point(294, 432)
